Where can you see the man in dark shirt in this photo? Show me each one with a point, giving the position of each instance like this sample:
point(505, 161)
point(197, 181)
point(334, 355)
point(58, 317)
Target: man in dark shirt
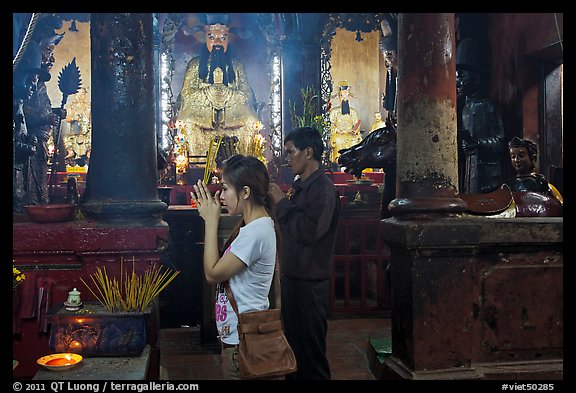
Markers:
point(308, 221)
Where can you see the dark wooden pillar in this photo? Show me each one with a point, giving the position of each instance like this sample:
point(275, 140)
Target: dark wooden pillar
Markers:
point(300, 69)
point(427, 157)
point(121, 183)
point(300, 62)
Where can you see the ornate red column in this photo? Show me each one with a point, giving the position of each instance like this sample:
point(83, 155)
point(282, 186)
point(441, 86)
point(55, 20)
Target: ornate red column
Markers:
point(472, 297)
point(427, 156)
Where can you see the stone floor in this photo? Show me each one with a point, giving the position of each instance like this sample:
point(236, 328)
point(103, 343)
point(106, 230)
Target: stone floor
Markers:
point(182, 357)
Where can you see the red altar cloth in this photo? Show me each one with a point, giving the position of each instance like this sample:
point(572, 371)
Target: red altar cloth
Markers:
point(343, 177)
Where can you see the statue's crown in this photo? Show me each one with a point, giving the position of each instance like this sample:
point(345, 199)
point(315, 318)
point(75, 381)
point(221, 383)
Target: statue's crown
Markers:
point(216, 27)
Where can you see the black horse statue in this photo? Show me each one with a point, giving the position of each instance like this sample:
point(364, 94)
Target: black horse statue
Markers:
point(376, 150)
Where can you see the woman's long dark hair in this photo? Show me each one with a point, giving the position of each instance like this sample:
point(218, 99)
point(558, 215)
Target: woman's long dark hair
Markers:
point(248, 171)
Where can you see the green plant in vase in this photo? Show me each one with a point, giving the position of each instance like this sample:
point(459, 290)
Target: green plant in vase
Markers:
point(310, 116)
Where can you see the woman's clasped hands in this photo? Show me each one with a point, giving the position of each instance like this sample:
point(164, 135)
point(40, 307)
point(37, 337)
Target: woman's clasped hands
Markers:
point(209, 207)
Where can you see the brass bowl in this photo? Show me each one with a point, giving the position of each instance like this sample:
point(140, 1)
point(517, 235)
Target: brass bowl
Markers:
point(52, 212)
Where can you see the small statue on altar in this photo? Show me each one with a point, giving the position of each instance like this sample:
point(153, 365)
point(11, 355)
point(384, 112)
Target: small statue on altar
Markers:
point(78, 142)
point(181, 154)
point(344, 123)
point(378, 122)
point(215, 98)
point(523, 156)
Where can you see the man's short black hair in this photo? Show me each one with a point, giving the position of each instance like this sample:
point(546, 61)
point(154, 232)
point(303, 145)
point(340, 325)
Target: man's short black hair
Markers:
point(303, 137)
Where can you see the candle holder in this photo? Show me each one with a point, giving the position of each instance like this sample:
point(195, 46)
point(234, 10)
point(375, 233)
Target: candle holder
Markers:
point(59, 361)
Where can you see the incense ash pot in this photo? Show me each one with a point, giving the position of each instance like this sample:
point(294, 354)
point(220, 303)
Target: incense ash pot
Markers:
point(93, 331)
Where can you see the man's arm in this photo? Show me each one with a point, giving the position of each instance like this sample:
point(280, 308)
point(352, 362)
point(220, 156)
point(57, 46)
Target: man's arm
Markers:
point(312, 221)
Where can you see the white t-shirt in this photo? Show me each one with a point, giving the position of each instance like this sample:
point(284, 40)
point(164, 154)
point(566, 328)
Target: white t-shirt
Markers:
point(255, 245)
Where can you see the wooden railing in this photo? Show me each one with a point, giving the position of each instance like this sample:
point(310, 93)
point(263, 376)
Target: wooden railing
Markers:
point(360, 280)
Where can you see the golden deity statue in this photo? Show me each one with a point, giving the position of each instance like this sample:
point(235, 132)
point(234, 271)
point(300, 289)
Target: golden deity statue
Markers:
point(78, 141)
point(215, 99)
point(345, 123)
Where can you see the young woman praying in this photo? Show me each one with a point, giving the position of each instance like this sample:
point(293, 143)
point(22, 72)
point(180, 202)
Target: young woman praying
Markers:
point(247, 260)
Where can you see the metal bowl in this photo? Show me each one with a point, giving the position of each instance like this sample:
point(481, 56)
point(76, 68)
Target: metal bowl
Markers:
point(54, 212)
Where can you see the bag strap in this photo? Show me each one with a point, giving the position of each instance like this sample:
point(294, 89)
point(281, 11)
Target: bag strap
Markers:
point(231, 296)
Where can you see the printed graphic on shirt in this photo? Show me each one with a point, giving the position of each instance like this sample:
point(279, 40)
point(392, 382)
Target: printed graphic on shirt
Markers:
point(221, 307)
point(226, 319)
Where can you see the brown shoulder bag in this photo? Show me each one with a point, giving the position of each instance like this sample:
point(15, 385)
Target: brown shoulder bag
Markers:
point(264, 351)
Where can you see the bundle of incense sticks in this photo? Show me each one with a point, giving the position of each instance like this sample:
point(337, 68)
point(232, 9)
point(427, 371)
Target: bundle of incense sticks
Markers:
point(211, 159)
point(131, 292)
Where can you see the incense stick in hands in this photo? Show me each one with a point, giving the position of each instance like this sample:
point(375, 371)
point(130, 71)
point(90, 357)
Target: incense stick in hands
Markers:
point(209, 207)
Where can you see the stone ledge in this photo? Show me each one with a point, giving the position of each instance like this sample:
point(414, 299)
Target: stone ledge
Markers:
point(471, 232)
point(393, 369)
point(103, 368)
